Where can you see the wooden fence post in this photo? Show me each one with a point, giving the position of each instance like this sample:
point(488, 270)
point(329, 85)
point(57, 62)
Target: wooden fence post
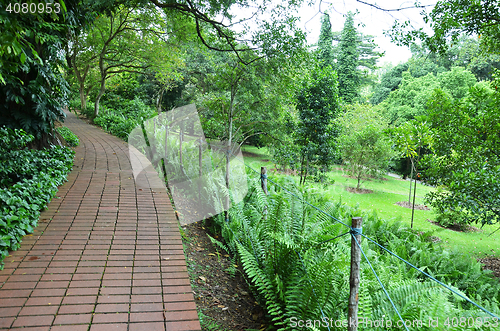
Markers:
point(263, 179)
point(357, 223)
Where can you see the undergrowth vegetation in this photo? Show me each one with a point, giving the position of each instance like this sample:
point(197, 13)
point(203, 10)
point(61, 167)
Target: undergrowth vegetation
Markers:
point(70, 138)
point(298, 269)
point(119, 116)
point(28, 181)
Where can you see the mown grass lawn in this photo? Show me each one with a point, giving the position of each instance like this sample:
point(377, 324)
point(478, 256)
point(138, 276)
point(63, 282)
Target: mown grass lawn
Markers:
point(382, 201)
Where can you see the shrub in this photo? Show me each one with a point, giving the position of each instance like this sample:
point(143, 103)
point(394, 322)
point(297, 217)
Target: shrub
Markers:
point(28, 181)
point(364, 146)
point(70, 138)
point(89, 111)
point(451, 218)
point(120, 122)
point(115, 123)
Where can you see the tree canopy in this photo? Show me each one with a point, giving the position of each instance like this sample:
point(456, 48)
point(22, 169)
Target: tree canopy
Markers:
point(325, 42)
point(449, 20)
point(412, 96)
point(466, 153)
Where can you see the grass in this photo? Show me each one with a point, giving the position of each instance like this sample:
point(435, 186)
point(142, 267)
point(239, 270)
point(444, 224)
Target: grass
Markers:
point(382, 201)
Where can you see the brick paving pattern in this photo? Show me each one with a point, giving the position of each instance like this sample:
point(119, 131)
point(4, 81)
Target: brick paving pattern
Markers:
point(106, 255)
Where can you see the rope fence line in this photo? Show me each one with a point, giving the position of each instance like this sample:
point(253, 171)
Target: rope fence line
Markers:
point(379, 281)
point(432, 278)
point(356, 231)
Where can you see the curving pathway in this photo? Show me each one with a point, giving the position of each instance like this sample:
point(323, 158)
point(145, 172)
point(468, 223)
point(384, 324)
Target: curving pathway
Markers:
point(106, 255)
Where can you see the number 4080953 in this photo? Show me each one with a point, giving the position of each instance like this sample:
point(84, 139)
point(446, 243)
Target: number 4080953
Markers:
point(33, 8)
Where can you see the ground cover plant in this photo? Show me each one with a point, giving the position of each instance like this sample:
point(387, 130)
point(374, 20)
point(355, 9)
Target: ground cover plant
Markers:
point(68, 136)
point(28, 181)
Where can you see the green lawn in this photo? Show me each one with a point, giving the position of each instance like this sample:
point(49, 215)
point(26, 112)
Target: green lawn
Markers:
point(385, 194)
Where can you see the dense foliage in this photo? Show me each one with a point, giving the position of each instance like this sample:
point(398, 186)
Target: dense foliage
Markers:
point(28, 181)
point(391, 80)
point(33, 88)
point(410, 99)
point(32, 82)
point(318, 105)
point(451, 19)
point(325, 42)
point(466, 161)
point(120, 121)
point(287, 251)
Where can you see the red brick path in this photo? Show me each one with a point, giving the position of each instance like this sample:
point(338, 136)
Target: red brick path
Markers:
point(106, 255)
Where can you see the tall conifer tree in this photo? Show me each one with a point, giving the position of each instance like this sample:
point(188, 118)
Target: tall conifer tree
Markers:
point(325, 48)
point(348, 61)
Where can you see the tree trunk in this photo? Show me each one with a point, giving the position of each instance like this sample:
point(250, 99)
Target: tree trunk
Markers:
point(101, 93)
point(83, 97)
point(104, 73)
point(413, 206)
point(414, 189)
point(159, 100)
point(302, 169)
point(305, 174)
point(411, 179)
point(81, 77)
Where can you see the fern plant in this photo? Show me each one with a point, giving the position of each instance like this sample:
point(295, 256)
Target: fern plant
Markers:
point(298, 262)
